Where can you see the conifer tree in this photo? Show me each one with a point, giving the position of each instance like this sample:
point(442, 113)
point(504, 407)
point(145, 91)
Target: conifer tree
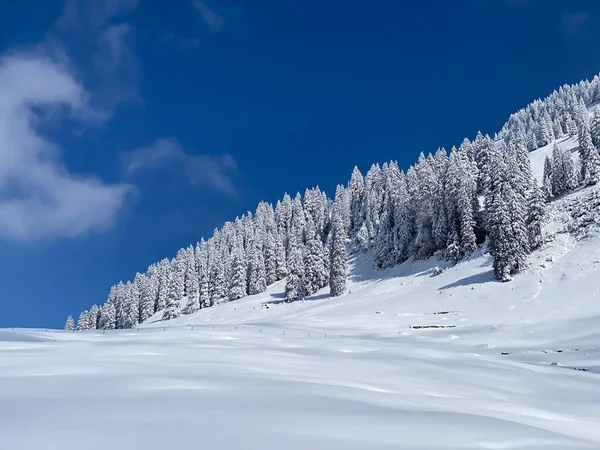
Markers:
point(337, 259)
point(356, 189)
point(237, 282)
point(506, 216)
point(130, 308)
point(70, 324)
point(107, 319)
point(83, 321)
point(172, 308)
point(193, 290)
point(595, 128)
point(536, 211)
point(295, 287)
point(257, 272)
point(315, 273)
point(588, 155)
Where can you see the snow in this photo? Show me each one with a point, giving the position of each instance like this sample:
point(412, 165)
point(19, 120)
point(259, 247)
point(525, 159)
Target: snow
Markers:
point(422, 356)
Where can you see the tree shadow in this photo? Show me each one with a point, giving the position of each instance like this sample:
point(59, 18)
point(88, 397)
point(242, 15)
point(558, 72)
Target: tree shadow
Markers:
point(478, 278)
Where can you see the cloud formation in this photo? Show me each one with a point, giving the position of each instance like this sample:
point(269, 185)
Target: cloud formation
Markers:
point(209, 16)
point(39, 197)
point(91, 15)
point(207, 170)
point(571, 23)
point(105, 49)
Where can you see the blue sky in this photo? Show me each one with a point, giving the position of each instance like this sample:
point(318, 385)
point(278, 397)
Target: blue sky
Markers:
point(129, 129)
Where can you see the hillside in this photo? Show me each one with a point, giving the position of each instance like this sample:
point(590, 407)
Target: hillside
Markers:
point(412, 357)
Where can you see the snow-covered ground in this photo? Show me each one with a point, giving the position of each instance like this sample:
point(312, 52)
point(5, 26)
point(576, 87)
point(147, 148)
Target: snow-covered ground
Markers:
point(407, 359)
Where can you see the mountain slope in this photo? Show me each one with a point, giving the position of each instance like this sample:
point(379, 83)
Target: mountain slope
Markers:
point(516, 365)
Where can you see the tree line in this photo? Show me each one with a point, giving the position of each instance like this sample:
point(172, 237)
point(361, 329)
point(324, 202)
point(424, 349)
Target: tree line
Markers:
point(444, 205)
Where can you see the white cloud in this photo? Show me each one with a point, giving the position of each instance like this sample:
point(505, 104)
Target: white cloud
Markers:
point(571, 23)
point(117, 68)
point(113, 69)
point(201, 169)
point(39, 197)
point(209, 16)
point(92, 14)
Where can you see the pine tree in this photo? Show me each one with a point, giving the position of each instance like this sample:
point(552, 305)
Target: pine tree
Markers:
point(83, 321)
point(173, 308)
point(163, 285)
point(108, 320)
point(588, 155)
point(237, 281)
point(356, 189)
point(145, 296)
point(506, 216)
point(70, 324)
point(595, 128)
point(536, 211)
point(130, 307)
point(337, 259)
point(295, 288)
point(257, 272)
point(193, 290)
point(315, 274)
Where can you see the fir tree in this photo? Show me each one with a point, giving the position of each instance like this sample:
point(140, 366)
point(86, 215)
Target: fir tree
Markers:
point(595, 128)
point(237, 281)
point(315, 274)
point(173, 308)
point(356, 189)
point(257, 272)
point(337, 259)
point(83, 321)
point(295, 288)
point(70, 324)
point(193, 290)
point(536, 211)
point(108, 320)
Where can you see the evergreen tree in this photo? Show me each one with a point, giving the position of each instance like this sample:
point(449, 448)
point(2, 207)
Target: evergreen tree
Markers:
point(315, 274)
point(83, 321)
point(108, 320)
point(506, 216)
point(536, 211)
point(337, 259)
point(145, 296)
point(163, 285)
point(588, 155)
point(173, 308)
point(356, 189)
point(70, 324)
point(257, 272)
point(130, 307)
point(595, 128)
point(295, 287)
point(193, 290)
point(237, 282)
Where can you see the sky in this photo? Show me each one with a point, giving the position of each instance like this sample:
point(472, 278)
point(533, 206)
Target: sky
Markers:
point(129, 129)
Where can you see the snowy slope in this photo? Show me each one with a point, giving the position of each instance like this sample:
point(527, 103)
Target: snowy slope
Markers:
point(407, 359)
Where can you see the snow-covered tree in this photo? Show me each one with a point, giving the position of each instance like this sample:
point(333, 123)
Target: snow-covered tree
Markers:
point(70, 324)
point(192, 290)
point(337, 259)
point(588, 155)
point(237, 281)
point(172, 308)
point(257, 272)
point(295, 287)
point(315, 271)
point(506, 217)
point(107, 320)
point(83, 321)
point(356, 189)
point(536, 212)
point(595, 128)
